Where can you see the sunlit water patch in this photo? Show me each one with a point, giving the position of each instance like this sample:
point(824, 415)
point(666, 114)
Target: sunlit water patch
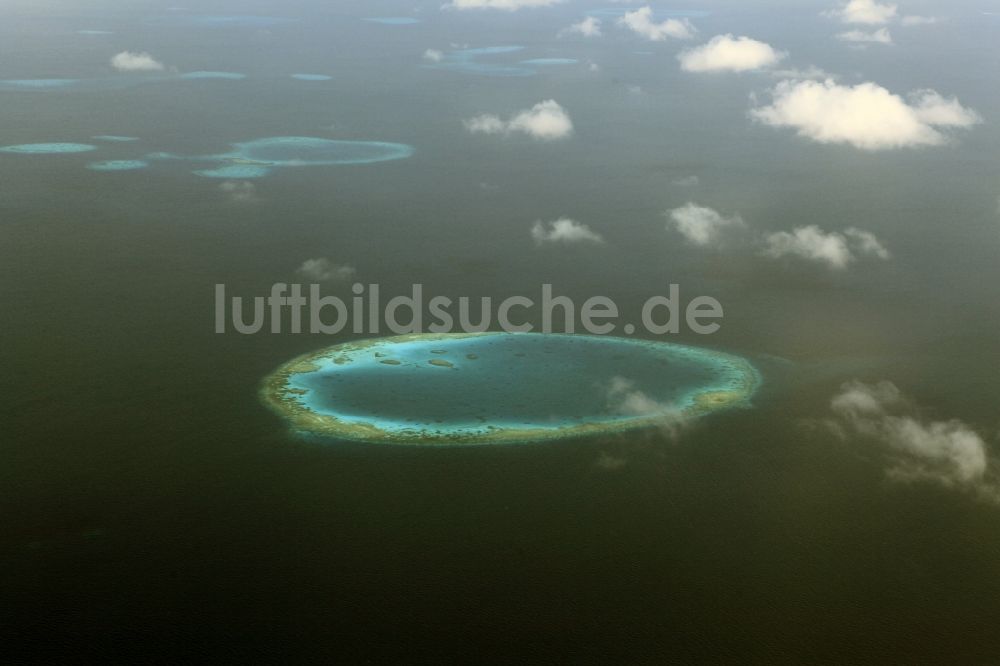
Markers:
point(494, 388)
point(311, 77)
point(48, 148)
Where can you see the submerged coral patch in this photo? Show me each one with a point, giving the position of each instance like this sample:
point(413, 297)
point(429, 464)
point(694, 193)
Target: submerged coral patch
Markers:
point(495, 388)
point(120, 81)
point(292, 151)
point(37, 84)
point(118, 165)
point(235, 172)
point(253, 159)
point(48, 148)
point(470, 61)
point(258, 158)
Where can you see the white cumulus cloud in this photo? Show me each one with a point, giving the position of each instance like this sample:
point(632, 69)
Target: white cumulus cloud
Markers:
point(239, 191)
point(433, 55)
point(866, 243)
point(726, 53)
point(866, 116)
point(546, 121)
point(624, 397)
point(880, 36)
point(588, 27)
point(640, 21)
point(128, 61)
point(947, 452)
point(836, 250)
point(701, 225)
point(325, 270)
point(507, 5)
point(564, 230)
point(866, 12)
point(687, 181)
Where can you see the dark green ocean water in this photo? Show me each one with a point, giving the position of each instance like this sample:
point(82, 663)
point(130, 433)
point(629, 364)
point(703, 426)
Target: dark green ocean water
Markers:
point(150, 505)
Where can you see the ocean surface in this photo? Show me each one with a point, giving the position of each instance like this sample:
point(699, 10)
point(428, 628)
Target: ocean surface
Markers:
point(150, 504)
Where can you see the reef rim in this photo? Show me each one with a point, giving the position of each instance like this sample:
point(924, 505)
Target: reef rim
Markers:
point(277, 393)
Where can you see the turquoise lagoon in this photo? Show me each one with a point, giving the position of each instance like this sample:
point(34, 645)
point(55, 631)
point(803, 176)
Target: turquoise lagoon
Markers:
point(494, 388)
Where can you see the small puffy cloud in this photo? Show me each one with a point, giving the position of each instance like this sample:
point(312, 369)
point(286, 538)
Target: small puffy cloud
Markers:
point(934, 109)
point(834, 249)
point(687, 181)
point(624, 398)
point(918, 20)
point(866, 116)
point(324, 270)
point(239, 191)
point(588, 27)
point(640, 21)
point(947, 452)
point(564, 230)
point(546, 121)
point(703, 226)
point(486, 124)
point(128, 61)
point(726, 53)
point(866, 243)
point(880, 36)
point(433, 55)
point(866, 12)
point(610, 463)
point(507, 5)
